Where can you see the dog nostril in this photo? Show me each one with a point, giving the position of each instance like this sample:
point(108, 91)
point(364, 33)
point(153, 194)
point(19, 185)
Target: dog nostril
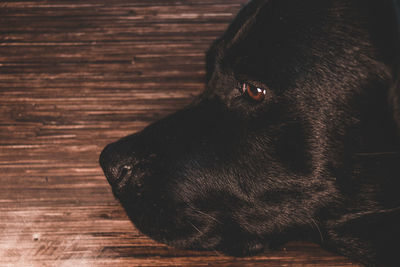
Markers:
point(124, 171)
point(121, 169)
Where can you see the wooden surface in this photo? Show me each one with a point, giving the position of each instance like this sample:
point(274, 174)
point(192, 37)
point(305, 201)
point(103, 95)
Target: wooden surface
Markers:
point(74, 76)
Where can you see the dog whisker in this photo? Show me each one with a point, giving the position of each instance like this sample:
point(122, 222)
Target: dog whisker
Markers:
point(378, 153)
point(202, 233)
point(319, 230)
point(197, 229)
point(208, 215)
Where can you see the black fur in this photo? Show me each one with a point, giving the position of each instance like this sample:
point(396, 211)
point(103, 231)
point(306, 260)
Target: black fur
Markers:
point(318, 159)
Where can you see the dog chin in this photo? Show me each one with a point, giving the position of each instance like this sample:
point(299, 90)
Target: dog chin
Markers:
point(161, 223)
point(188, 235)
point(176, 224)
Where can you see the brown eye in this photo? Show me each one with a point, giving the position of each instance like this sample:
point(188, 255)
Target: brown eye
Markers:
point(255, 93)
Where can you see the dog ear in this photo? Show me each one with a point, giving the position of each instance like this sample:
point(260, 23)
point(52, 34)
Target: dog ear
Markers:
point(247, 13)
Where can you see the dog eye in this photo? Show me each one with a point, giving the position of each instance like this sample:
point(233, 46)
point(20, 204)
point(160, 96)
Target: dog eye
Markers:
point(253, 92)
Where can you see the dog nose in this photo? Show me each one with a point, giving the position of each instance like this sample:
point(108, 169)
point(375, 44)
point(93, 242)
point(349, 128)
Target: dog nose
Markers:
point(113, 167)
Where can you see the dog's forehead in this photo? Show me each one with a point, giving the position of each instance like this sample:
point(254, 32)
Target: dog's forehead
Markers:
point(269, 38)
point(273, 40)
point(272, 21)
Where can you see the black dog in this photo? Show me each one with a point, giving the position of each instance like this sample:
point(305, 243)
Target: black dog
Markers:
point(295, 137)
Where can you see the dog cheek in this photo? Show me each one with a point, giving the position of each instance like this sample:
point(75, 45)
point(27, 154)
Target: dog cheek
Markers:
point(292, 148)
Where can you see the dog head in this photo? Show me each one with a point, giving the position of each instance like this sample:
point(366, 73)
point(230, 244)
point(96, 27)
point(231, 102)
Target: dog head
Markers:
point(295, 90)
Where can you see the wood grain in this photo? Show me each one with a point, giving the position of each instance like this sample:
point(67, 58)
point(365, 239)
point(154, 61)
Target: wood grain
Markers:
point(74, 76)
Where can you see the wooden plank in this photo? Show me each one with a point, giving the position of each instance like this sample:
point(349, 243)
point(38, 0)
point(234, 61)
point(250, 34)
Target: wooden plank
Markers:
point(74, 76)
